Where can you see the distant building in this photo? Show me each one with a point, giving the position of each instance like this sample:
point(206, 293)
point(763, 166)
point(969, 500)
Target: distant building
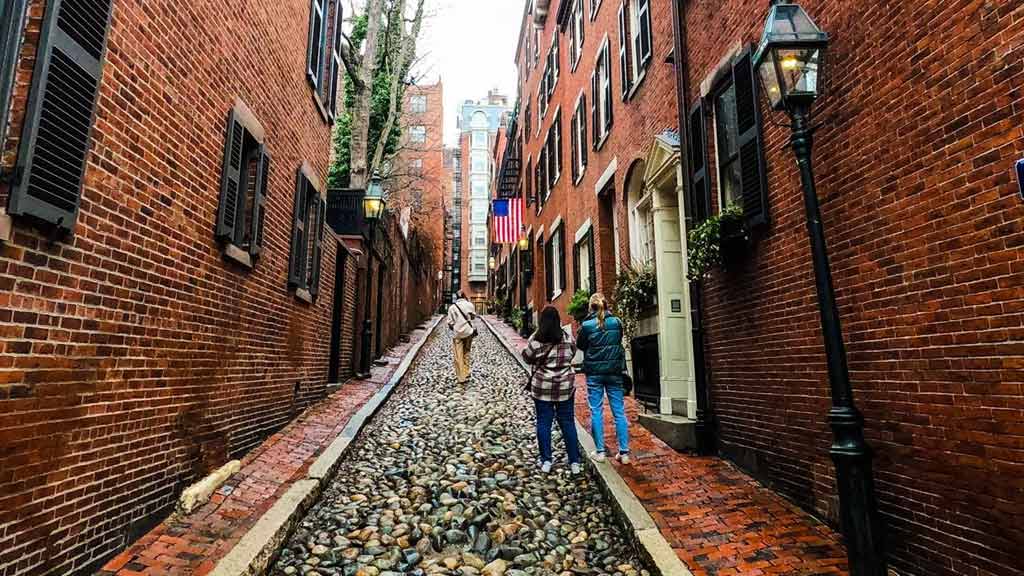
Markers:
point(478, 124)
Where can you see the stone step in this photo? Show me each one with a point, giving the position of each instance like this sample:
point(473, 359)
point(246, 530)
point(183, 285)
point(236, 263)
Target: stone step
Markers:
point(679, 432)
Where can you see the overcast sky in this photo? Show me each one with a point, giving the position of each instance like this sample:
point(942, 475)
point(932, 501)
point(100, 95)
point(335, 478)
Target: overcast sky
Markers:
point(470, 45)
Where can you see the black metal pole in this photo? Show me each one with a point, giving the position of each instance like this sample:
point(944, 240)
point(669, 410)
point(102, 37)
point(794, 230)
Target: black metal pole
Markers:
point(850, 453)
point(365, 361)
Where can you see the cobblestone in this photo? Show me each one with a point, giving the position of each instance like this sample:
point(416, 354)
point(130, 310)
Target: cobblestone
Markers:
point(719, 521)
point(444, 480)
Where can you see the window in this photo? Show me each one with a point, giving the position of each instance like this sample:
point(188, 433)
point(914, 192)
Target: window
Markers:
point(543, 184)
point(554, 263)
point(317, 42)
point(579, 139)
point(307, 235)
point(480, 237)
point(601, 96)
point(416, 167)
point(480, 139)
point(417, 200)
point(331, 92)
point(527, 123)
point(418, 134)
point(554, 153)
point(556, 61)
point(479, 212)
point(418, 104)
point(529, 181)
point(595, 5)
point(243, 189)
point(585, 270)
point(478, 186)
point(478, 162)
point(58, 122)
point(634, 42)
point(738, 142)
point(576, 34)
point(729, 176)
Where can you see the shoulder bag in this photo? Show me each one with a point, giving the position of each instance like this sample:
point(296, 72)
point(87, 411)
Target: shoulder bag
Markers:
point(463, 314)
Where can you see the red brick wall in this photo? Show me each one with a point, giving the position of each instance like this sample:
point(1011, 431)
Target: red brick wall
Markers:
point(433, 181)
point(651, 110)
point(133, 356)
point(920, 127)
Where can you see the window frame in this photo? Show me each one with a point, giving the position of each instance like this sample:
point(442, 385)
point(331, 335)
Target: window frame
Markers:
point(586, 240)
point(579, 138)
point(722, 161)
point(12, 25)
point(577, 35)
point(243, 130)
point(601, 85)
point(414, 107)
point(595, 6)
point(414, 134)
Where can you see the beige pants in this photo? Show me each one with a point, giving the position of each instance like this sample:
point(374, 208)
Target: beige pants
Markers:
point(462, 347)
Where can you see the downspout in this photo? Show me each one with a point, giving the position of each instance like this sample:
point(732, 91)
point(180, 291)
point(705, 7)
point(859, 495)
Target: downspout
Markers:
point(705, 429)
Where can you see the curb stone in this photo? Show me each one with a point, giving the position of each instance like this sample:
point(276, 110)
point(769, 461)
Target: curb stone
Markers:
point(252, 554)
point(650, 543)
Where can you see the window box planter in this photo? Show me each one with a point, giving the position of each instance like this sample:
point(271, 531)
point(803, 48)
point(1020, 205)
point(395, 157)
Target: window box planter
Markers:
point(733, 242)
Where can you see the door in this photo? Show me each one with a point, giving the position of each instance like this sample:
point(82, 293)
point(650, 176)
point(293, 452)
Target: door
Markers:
point(333, 368)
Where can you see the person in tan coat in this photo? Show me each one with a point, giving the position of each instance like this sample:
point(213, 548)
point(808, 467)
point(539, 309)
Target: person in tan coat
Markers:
point(460, 321)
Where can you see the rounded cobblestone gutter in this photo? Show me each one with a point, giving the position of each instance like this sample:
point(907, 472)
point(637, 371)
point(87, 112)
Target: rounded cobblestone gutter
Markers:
point(444, 480)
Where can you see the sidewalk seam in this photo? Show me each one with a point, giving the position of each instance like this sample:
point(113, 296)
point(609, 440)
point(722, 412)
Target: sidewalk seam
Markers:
point(648, 538)
point(252, 554)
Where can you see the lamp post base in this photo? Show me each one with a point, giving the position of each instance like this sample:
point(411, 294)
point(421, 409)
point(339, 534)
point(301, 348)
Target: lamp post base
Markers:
point(365, 362)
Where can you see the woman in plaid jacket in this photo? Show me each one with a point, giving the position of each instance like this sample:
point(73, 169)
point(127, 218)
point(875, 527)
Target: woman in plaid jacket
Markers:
point(550, 351)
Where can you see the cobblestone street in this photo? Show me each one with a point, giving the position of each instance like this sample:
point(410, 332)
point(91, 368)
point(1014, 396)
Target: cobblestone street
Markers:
point(444, 480)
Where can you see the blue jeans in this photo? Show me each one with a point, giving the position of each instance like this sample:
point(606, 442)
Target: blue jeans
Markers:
point(597, 386)
point(547, 412)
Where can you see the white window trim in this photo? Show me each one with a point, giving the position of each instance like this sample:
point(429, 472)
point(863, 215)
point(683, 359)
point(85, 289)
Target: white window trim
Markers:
point(576, 30)
point(582, 231)
point(595, 7)
point(606, 177)
point(556, 127)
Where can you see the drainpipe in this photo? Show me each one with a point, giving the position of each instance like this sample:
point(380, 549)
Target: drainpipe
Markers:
point(705, 430)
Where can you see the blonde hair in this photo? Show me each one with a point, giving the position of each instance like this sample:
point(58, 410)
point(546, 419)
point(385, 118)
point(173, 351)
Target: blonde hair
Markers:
point(599, 305)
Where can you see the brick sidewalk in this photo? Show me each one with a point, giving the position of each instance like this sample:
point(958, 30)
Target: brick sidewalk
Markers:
point(719, 521)
point(193, 544)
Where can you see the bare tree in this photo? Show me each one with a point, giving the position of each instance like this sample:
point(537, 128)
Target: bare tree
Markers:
point(398, 43)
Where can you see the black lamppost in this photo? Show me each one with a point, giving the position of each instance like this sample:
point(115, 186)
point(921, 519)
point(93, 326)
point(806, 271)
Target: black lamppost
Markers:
point(524, 245)
point(373, 209)
point(788, 60)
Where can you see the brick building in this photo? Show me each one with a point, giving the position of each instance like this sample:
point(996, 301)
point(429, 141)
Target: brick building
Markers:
point(919, 131)
point(478, 125)
point(170, 295)
point(598, 156)
point(421, 176)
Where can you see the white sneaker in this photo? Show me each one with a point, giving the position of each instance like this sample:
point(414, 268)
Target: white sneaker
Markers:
point(597, 456)
point(545, 467)
point(623, 457)
point(575, 468)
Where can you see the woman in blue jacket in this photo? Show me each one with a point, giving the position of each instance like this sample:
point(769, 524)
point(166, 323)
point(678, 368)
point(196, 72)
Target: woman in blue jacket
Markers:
point(604, 361)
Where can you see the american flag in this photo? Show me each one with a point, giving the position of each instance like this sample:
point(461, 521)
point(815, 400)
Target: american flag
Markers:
point(508, 220)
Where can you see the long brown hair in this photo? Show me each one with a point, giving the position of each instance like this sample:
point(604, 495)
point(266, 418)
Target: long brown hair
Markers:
point(599, 306)
point(549, 328)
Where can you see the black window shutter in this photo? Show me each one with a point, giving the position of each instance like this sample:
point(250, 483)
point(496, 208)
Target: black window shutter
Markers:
point(583, 130)
point(549, 264)
point(316, 42)
point(644, 13)
point(608, 91)
point(230, 179)
point(623, 51)
point(558, 145)
point(529, 182)
point(748, 120)
point(561, 258)
point(699, 181)
point(593, 261)
point(318, 231)
point(260, 208)
point(297, 263)
point(594, 103)
point(60, 110)
point(574, 145)
point(555, 58)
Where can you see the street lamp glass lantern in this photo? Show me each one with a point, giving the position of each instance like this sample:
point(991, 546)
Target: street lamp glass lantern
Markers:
point(373, 201)
point(491, 264)
point(524, 242)
point(790, 56)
